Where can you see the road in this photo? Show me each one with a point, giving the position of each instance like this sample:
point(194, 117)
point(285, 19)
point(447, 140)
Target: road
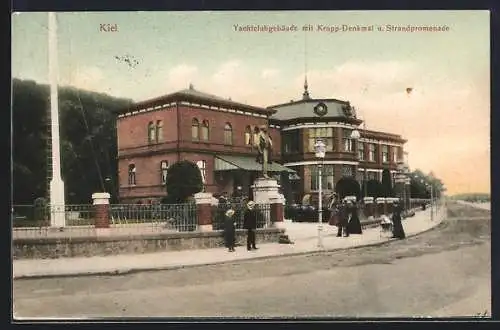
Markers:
point(444, 272)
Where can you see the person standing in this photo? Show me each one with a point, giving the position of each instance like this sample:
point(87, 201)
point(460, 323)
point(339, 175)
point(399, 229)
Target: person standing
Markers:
point(230, 230)
point(397, 226)
point(250, 224)
point(343, 216)
point(354, 225)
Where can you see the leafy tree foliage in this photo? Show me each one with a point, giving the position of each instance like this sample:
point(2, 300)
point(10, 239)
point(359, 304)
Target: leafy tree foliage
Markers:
point(88, 141)
point(387, 189)
point(347, 186)
point(183, 181)
point(374, 188)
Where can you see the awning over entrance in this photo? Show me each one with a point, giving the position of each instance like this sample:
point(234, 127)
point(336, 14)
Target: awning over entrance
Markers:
point(228, 163)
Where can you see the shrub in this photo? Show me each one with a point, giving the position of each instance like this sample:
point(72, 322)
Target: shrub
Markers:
point(183, 181)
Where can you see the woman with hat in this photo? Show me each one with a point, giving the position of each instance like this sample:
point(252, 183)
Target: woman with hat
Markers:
point(230, 230)
point(250, 224)
point(397, 226)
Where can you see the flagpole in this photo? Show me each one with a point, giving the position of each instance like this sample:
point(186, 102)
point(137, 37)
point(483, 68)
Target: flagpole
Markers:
point(57, 202)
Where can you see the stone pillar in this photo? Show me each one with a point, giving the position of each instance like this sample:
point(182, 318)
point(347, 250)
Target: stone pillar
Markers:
point(266, 191)
point(204, 202)
point(369, 207)
point(381, 206)
point(277, 215)
point(101, 212)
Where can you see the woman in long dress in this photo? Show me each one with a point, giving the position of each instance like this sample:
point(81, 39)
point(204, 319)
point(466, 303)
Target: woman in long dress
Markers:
point(229, 230)
point(397, 226)
point(354, 225)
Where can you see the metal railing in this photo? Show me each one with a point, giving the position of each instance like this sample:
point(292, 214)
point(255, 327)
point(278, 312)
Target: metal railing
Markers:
point(178, 217)
point(130, 219)
point(219, 211)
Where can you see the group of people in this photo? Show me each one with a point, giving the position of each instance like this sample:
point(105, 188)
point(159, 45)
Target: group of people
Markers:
point(249, 223)
point(344, 215)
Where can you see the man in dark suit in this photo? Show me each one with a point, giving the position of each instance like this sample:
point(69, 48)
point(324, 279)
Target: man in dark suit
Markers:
point(343, 220)
point(250, 224)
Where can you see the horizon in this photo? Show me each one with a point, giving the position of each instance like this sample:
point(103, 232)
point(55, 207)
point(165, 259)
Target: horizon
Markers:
point(447, 113)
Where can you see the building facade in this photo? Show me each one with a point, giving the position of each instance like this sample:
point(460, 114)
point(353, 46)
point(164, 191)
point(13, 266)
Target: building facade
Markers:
point(215, 133)
point(305, 121)
point(218, 135)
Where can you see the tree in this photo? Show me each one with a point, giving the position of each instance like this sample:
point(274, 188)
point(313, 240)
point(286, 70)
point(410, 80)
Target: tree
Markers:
point(183, 181)
point(387, 190)
point(374, 188)
point(347, 186)
point(88, 141)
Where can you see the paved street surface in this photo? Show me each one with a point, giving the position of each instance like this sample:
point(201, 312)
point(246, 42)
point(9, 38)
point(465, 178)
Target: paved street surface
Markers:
point(304, 236)
point(443, 272)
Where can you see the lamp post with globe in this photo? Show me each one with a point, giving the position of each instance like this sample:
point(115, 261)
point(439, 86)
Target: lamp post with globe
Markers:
point(320, 148)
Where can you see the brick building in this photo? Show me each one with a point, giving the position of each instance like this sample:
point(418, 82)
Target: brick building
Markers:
point(302, 122)
point(213, 132)
point(217, 134)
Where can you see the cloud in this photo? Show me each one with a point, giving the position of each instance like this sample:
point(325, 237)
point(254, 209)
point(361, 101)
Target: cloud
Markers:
point(269, 73)
point(88, 78)
point(181, 76)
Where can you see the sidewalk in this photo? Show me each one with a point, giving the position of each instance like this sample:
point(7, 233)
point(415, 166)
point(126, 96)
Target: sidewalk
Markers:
point(304, 236)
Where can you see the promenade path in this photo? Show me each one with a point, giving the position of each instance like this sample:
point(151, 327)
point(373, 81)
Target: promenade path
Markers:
point(304, 236)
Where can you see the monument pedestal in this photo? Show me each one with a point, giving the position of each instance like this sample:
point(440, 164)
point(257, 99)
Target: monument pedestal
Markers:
point(266, 192)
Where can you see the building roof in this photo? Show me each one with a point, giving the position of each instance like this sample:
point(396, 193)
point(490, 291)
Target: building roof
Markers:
point(192, 95)
point(227, 163)
point(305, 108)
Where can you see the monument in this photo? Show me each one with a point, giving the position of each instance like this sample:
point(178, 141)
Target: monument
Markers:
point(265, 188)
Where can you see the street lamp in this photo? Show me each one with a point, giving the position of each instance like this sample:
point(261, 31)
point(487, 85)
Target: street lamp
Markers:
point(320, 148)
point(429, 186)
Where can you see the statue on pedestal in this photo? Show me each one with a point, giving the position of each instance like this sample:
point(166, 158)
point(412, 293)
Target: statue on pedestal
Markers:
point(264, 145)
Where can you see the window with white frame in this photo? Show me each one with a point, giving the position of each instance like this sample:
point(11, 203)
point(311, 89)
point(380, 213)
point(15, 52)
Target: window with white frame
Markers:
point(202, 165)
point(131, 174)
point(395, 151)
point(151, 132)
point(248, 136)
point(385, 153)
point(327, 175)
point(347, 170)
point(205, 130)
point(159, 130)
point(361, 151)
point(228, 134)
point(195, 129)
point(371, 152)
point(348, 142)
point(164, 171)
point(326, 134)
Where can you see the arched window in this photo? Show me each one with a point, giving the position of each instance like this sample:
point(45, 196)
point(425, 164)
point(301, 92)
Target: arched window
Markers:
point(159, 130)
point(164, 171)
point(151, 132)
point(131, 174)
point(205, 128)
point(255, 136)
point(195, 129)
point(228, 134)
point(248, 136)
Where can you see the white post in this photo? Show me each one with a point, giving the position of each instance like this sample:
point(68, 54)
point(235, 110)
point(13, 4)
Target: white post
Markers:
point(432, 203)
point(57, 203)
point(320, 206)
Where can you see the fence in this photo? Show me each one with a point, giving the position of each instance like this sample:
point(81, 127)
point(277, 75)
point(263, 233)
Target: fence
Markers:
point(33, 220)
point(219, 211)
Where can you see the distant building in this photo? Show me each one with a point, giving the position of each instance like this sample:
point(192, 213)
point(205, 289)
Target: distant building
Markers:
point(217, 134)
point(302, 122)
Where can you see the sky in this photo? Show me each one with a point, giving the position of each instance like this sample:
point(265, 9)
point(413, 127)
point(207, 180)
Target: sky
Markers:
point(446, 117)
